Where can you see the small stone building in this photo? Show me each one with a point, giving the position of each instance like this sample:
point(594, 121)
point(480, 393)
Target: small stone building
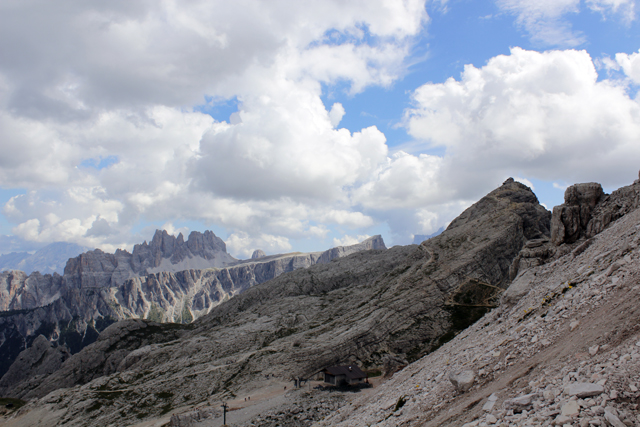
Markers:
point(339, 375)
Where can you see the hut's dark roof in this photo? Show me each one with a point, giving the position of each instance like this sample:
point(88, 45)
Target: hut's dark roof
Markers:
point(351, 371)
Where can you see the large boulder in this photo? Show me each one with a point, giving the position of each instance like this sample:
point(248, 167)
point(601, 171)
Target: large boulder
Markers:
point(569, 221)
point(587, 211)
point(462, 381)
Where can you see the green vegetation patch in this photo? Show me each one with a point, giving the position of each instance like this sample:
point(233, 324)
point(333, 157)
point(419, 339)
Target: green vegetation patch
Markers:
point(11, 403)
point(155, 313)
point(400, 403)
point(186, 316)
point(164, 395)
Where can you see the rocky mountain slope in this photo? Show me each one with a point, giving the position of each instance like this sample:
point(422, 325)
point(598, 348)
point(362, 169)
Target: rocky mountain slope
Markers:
point(381, 309)
point(71, 310)
point(47, 260)
point(563, 347)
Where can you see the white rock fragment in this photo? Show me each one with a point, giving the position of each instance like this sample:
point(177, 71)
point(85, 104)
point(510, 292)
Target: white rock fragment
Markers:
point(520, 402)
point(571, 408)
point(583, 390)
point(594, 350)
point(573, 325)
point(612, 418)
point(463, 380)
point(491, 401)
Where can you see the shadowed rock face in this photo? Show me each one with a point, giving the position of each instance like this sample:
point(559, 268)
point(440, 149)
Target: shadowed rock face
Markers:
point(41, 359)
point(368, 308)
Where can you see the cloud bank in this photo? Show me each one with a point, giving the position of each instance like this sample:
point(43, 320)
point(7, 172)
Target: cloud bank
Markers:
point(103, 120)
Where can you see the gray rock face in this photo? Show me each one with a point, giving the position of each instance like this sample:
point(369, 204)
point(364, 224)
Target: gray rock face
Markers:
point(100, 358)
point(374, 242)
point(165, 252)
point(258, 253)
point(19, 291)
point(39, 360)
point(570, 219)
point(587, 211)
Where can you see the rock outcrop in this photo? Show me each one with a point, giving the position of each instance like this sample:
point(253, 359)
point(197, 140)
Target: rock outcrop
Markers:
point(587, 211)
point(39, 360)
point(100, 358)
point(258, 253)
point(366, 308)
point(570, 220)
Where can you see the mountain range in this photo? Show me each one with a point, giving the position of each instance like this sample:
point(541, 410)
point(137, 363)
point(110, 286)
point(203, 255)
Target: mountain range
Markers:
point(47, 260)
point(98, 289)
point(511, 315)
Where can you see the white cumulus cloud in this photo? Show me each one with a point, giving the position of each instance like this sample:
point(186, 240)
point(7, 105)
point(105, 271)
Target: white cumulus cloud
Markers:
point(242, 245)
point(350, 240)
point(545, 114)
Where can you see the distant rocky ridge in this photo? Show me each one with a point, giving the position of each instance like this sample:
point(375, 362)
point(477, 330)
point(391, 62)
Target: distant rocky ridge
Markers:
point(380, 309)
point(419, 238)
point(47, 260)
point(96, 269)
point(99, 289)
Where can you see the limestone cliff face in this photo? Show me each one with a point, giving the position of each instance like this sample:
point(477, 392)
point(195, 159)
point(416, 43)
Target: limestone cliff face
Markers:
point(19, 291)
point(164, 253)
point(73, 309)
point(377, 308)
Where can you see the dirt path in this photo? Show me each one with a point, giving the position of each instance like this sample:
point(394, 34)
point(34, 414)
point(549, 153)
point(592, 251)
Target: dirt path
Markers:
point(263, 400)
point(251, 404)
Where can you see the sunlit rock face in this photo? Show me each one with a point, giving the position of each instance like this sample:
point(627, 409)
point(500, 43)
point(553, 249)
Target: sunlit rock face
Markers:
point(99, 288)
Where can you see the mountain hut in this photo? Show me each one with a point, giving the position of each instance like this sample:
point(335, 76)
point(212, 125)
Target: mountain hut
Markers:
point(339, 375)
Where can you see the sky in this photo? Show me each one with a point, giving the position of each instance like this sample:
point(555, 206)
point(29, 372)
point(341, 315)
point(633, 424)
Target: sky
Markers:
point(297, 126)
